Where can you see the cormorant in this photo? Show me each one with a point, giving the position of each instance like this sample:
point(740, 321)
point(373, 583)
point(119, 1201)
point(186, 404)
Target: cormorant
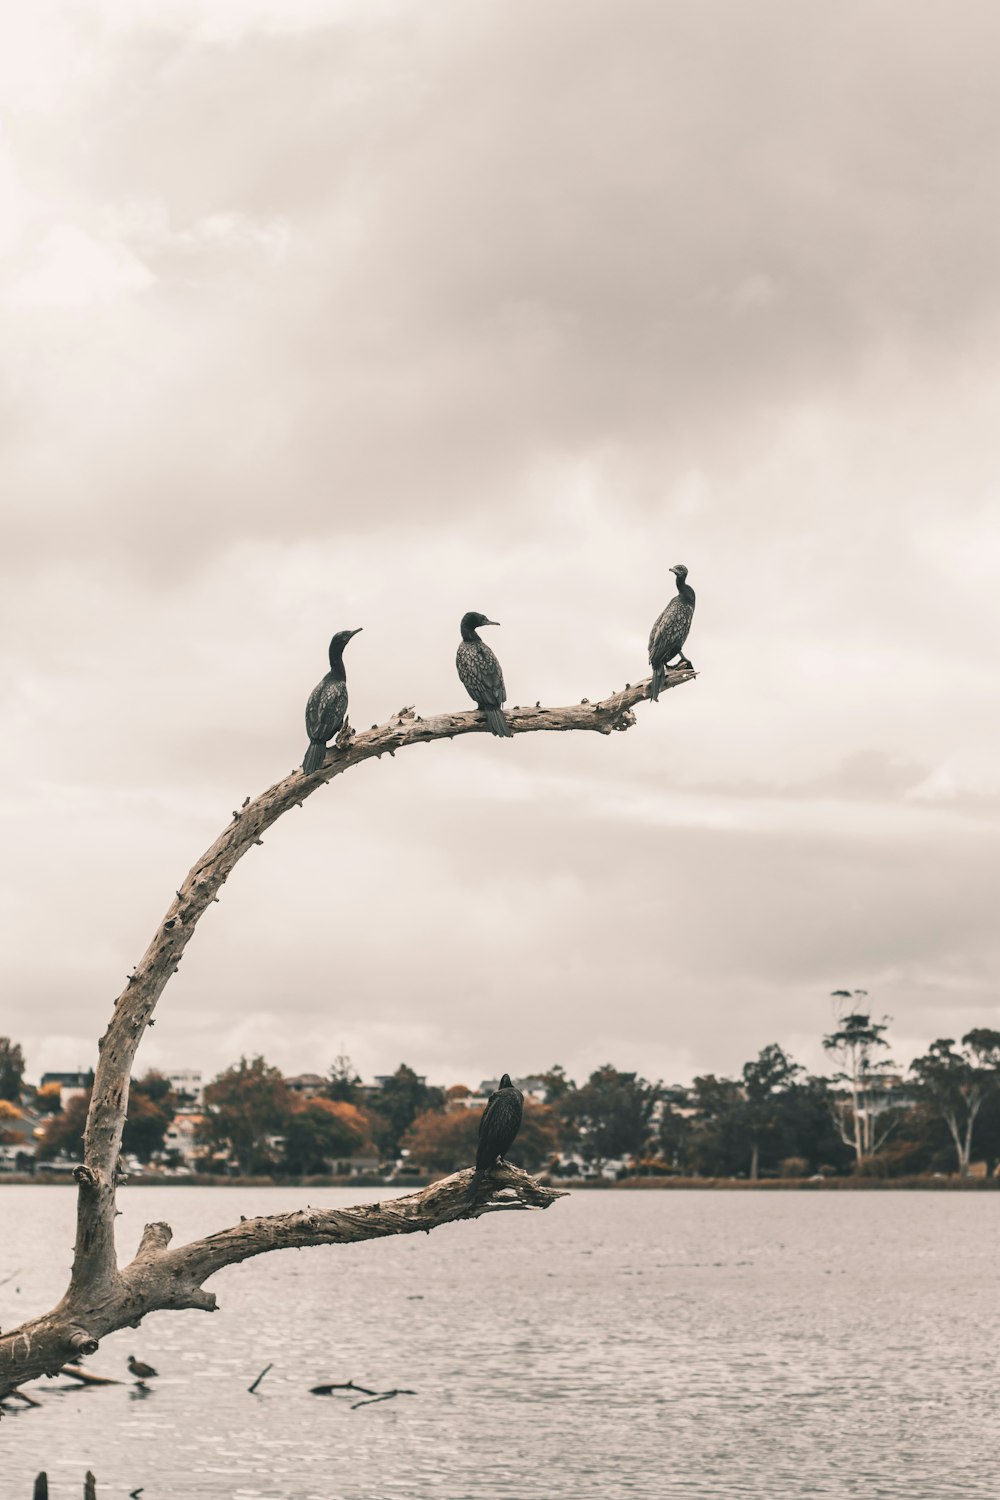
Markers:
point(500, 1122)
point(327, 706)
point(670, 631)
point(141, 1372)
point(480, 674)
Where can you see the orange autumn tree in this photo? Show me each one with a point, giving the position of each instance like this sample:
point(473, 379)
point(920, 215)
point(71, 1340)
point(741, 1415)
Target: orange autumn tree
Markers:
point(321, 1130)
point(8, 1113)
point(443, 1142)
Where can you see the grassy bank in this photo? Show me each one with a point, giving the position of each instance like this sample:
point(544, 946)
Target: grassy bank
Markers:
point(575, 1184)
point(807, 1184)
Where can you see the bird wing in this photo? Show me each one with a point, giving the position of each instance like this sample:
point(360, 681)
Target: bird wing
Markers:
point(493, 677)
point(480, 673)
point(326, 709)
point(488, 1111)
point(669, 632)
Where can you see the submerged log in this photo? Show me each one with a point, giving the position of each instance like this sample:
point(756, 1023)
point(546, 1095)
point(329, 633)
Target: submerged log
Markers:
point(87, 1377)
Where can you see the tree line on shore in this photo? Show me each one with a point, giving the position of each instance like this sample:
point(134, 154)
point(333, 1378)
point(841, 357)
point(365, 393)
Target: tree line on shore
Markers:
point(772, 1119)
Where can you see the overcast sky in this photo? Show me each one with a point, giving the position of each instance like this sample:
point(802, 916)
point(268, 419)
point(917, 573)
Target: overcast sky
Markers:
point(317, 315)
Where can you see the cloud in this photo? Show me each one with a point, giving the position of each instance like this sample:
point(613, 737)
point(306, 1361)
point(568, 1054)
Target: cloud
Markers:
point(318, 316)
point(71, 270)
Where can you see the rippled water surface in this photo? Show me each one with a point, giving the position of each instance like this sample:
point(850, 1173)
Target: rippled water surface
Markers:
point(703, 1344)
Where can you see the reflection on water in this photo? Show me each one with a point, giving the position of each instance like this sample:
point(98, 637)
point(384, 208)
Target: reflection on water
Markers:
point(656, 1344)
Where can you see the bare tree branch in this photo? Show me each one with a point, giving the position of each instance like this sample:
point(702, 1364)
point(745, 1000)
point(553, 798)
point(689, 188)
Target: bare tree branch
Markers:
point(101, 1297)
point(260, 1377)
point(160, 1277)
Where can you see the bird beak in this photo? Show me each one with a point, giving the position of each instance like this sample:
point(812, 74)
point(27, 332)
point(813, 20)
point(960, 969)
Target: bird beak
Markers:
point(358, 631)
point(674, 571)
point(491, 622)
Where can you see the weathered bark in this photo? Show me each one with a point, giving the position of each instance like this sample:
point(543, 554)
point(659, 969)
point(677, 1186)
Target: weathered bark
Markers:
point(102, 1297)
point(161, 1277)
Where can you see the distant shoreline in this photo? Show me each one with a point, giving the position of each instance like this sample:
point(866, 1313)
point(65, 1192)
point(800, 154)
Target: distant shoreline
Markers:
point(573, 1184)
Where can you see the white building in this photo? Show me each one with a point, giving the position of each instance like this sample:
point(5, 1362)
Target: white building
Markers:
point(181, 1136)
point(187, 1085)
point(71, 1085)
point(531, 1087)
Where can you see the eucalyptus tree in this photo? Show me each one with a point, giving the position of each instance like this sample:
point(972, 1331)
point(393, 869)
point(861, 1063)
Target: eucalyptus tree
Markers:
point(765, 1079)
point(102, 1295)
point(956, 1085)
point(865, 1117)
point(11, 1069)
point(614, 1114)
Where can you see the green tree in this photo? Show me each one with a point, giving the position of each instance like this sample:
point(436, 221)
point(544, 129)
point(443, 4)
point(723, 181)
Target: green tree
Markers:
point(11, 1070)
point(613, 1113)
point(806, 1127)
point(560, 1092)
point(717, 1144)
point(401, 1098)
point(344, 1083)
point(955, 1085)
point(764, 1080)
point(865, 1119)
point(557, 1086)
point(988, 1130)
point(676, 1127)
point(150, 1110)
point(244, 1106)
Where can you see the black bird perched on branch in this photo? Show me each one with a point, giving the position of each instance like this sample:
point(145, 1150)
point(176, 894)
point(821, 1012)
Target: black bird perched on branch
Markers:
point(671, 631)
point(480, 674)
point(327, 706)
point(500, 1122)
point(141, 1372)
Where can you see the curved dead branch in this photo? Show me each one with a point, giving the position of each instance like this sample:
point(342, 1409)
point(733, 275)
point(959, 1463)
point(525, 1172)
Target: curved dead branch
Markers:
point(100, 1296)
point(162, 1277)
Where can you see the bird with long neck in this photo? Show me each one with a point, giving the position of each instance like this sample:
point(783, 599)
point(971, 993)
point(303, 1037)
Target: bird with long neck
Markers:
point(498, 1126)
point(327, 706)
point(480, 674)
point(671, 631)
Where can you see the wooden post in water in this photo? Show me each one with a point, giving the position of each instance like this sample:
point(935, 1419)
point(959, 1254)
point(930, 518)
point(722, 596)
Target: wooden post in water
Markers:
point(90, 1487)
point(41, 1490)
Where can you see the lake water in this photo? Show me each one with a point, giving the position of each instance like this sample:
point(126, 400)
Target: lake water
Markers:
point(676, 1344)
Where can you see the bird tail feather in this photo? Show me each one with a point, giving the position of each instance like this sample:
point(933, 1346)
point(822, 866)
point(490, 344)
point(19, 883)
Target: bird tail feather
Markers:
point(478, 1176)
point(659, 678)
point(498, 723)
point(315, 756)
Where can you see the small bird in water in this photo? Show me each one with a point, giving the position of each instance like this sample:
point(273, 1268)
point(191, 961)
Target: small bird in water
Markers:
point(500, 1122)
point(141, 1372)
point(327, 706)
point(671, 631)
point(480, 674)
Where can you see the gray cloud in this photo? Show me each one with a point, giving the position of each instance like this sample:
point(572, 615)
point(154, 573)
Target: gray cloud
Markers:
point(319, 319)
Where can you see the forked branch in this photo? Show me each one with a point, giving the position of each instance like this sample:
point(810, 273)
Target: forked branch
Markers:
point(100, 1297)
point(162, 1277)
